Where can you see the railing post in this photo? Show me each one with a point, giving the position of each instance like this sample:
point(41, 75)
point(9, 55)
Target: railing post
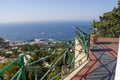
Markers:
point(68, 53)
point(22, 66)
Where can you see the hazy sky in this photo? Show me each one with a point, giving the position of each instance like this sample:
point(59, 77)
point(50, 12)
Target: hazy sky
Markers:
point(53, 10)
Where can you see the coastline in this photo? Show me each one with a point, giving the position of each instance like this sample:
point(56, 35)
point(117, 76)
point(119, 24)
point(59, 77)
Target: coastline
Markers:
point(46, 30)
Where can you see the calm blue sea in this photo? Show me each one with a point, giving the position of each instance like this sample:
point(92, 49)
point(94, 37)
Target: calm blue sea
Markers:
point(45, 30)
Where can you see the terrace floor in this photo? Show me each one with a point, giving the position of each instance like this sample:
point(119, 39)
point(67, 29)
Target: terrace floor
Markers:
point(103, 59)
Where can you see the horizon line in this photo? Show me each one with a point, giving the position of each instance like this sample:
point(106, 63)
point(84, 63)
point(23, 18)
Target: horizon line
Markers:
point(46, 21)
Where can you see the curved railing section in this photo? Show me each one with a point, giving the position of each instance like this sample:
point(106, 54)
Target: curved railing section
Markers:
point(54, 64)
point(84, 39)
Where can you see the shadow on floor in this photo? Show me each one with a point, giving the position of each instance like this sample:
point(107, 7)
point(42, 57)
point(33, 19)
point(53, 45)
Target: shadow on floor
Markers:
point(101, 50)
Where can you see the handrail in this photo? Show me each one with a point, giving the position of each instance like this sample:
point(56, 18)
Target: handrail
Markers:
point(84, 39)
point(9, 65)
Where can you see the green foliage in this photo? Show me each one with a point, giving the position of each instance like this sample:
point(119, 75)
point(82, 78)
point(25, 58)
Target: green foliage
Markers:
point(41, 67)
point(28, 47)
point(3, 54)
point(10, 71)
point(109, 24)
point(54, 73)
point(119, 3)
point(60, 45)
point(93, 27)
point(36, 71)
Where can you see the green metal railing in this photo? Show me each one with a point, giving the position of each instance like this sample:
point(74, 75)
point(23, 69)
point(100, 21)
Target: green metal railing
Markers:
point(56, 65)
point(84, 39)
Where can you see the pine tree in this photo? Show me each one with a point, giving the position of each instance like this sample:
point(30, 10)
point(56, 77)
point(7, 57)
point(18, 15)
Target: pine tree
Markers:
point(109, 23)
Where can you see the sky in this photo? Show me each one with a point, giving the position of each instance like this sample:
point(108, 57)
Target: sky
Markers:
point(53, 10)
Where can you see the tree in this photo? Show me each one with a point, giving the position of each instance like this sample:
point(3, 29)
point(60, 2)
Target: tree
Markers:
point(109, 23)
point(119, 3)
point(93, 27)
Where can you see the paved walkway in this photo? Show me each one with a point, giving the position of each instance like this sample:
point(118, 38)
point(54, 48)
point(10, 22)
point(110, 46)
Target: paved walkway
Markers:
point(102, 65)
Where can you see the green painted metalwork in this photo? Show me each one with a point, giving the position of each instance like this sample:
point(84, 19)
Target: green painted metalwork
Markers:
point(65, 56)
point(84, 39)
point(17, 74)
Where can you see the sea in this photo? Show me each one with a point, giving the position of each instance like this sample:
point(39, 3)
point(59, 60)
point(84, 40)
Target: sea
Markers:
point(57, 30)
